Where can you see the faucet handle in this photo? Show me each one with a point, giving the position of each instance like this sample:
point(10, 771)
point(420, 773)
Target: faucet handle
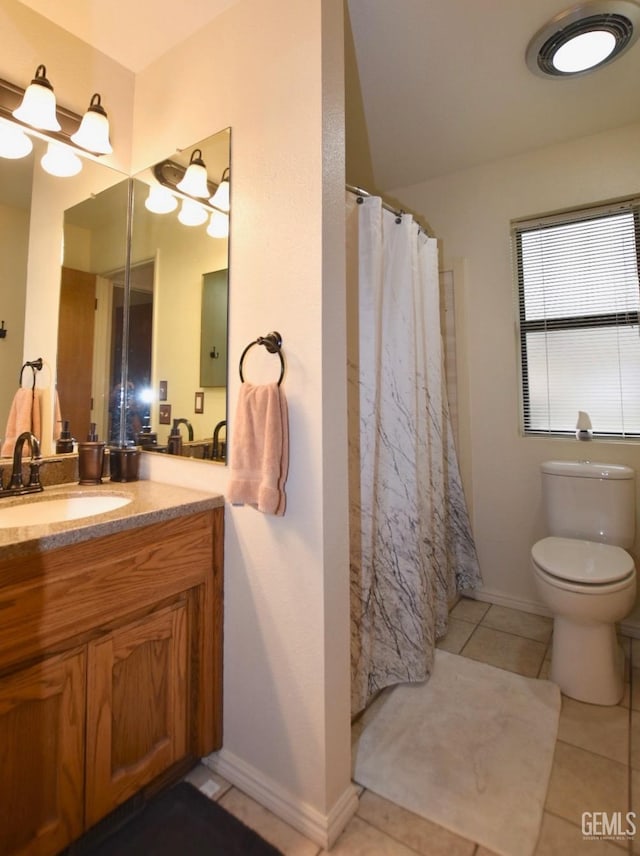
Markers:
point(34, 474)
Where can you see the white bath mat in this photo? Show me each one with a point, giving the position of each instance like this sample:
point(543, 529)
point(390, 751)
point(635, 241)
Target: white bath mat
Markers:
point(470, 749)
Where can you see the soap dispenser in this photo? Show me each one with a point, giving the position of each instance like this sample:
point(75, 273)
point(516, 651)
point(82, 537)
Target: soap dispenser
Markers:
point(91, 458)
point(64, 443)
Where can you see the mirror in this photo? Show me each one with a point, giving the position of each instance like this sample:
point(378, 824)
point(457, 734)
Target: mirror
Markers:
point(155, 302)
point(32, 205)
point(190, 295)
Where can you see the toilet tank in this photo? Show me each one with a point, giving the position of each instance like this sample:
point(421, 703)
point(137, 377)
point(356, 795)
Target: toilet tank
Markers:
point(590, 500)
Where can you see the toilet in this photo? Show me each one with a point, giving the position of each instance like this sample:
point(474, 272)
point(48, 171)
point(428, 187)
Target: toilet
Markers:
point(584, 574)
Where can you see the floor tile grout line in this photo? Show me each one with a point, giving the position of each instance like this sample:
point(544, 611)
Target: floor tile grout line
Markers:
point(392, 837)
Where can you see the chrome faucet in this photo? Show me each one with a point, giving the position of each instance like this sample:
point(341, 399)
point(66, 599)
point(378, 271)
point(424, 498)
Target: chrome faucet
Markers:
point(186, 422)
point(16, 487)
point(218, 449)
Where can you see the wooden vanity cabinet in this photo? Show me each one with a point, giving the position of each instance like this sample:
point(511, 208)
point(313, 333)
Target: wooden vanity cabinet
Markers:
point(110, 674)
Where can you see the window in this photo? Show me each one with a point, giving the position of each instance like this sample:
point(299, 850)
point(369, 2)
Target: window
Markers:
point(579, 305)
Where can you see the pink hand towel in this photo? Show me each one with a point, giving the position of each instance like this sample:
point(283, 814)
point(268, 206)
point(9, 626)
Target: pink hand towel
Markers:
point(260, 459)
point(24, 415)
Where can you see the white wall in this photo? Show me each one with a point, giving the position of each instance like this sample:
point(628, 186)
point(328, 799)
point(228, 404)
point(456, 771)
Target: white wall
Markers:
point(470, 212)
point(272, 70)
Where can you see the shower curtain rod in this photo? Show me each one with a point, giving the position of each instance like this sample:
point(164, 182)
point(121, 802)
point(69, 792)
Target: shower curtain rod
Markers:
point(358, 191)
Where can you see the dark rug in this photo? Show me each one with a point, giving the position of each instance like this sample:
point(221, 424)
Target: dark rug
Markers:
point(184, 822)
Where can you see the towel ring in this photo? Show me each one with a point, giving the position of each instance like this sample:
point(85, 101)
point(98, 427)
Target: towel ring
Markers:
point(273, 344)
point(35, 365)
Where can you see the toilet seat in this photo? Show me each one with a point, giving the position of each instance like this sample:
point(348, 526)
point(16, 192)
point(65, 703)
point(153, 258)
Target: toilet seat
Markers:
point(586, 563)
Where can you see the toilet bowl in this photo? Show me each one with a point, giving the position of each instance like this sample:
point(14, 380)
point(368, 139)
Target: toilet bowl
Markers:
point(588, 587)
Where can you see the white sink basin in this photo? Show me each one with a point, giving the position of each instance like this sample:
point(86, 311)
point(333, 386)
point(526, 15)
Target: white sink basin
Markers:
point(58, 509)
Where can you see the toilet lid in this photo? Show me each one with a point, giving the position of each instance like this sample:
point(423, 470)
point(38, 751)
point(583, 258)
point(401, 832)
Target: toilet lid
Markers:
point(582, 561)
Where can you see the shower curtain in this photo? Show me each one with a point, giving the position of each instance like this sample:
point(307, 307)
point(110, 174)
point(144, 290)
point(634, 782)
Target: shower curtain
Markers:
point(411, 545)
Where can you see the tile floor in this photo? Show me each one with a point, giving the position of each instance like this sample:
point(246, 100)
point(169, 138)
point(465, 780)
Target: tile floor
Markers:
point(596, 764)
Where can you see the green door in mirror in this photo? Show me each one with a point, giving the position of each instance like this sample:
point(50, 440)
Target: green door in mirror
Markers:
point(213, 329)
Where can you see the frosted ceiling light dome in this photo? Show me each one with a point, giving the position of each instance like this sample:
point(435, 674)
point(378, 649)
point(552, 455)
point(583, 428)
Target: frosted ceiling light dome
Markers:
point(584, 51)
point(38, 107)
point(583, 38)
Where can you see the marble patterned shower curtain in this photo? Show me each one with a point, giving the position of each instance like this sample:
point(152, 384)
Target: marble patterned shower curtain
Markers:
point(411, 543)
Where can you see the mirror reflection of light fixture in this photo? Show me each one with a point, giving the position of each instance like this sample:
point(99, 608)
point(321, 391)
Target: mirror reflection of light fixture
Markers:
point(218, 225)
point(221, 197)
point(38, 107)
point(192, 213)
point(194, 181)
point(160, 200)
point(585, 37)
point(14, 143)
point(93, 133)
point(60, 161)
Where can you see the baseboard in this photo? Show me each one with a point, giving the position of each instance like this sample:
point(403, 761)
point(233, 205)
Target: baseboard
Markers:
point(322, 829)
point(500, 599)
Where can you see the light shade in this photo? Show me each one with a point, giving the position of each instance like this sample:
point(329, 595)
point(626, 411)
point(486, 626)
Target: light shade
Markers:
point(160, 200)
point(584, 37)
point(218, 225)
point(38, 107)
point(93, 133)
point(194, 181)
point(192, 213)
point(60, 161)
point(14, 143)
point(221, 197)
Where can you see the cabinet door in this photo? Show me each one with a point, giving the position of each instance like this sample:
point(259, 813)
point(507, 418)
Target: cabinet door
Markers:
point(42, 756)
point(136, 707)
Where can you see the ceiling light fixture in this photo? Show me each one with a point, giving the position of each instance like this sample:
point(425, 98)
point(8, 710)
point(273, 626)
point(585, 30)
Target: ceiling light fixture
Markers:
point(583, 38)
point(194, 182)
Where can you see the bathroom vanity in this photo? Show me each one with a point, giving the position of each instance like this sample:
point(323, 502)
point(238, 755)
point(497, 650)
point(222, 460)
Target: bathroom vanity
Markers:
point(110, 658)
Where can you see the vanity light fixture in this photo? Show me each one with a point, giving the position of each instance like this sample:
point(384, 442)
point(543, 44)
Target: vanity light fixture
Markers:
point(14, 143)
point(194, 182)
point(218, 225)
point(191, 213)
point(34, 113)
point(220, 198)
point(38, 106)
point(585, 37)
point(160, 200)
point(165, 196)
point(93, 133)
point(60, 161)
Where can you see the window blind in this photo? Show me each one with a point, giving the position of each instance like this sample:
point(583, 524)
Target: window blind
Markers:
point(579, 305)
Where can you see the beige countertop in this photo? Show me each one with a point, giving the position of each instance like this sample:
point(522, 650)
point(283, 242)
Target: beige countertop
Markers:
point(151, 502)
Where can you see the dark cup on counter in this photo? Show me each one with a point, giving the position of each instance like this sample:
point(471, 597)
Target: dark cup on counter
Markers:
point(124, 463)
